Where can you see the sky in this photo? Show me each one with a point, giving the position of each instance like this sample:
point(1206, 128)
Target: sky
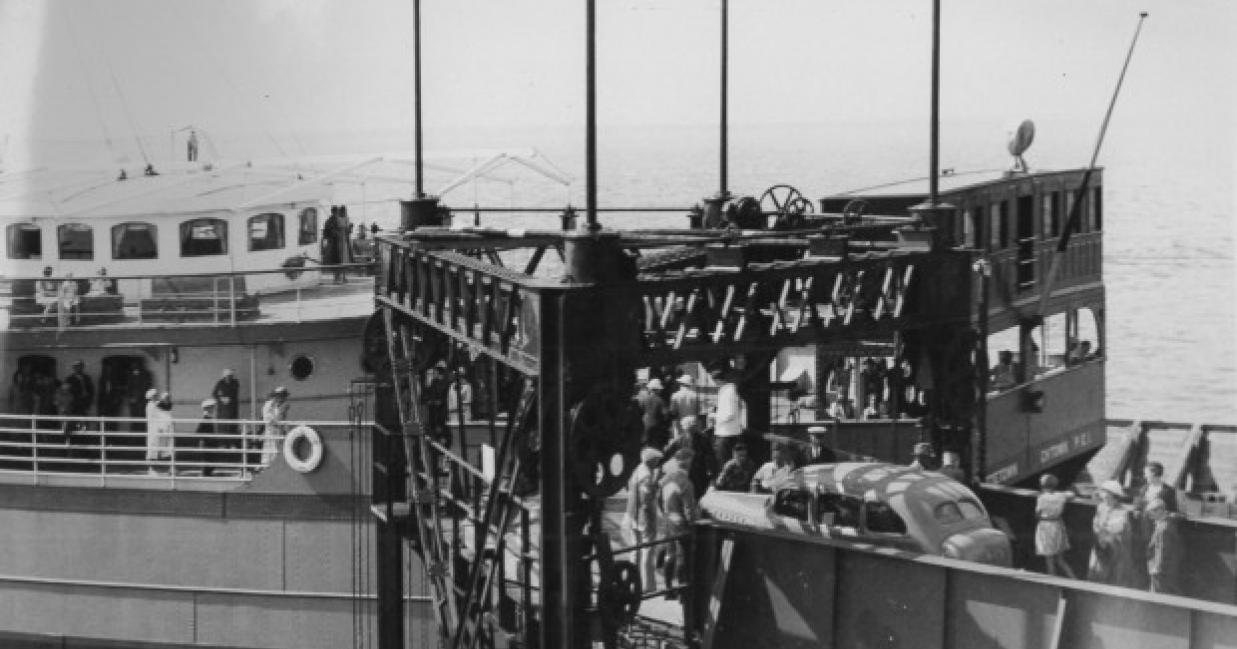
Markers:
point(285, 69)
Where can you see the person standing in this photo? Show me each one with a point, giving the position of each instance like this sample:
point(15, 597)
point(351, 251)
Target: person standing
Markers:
point(703, 467)
point(1163, 548)
point(21, 390)
point(641, 516)
point(160, 431)
point(655, 414)
point(1112, 556)
point(737, 474)
point(435, 397)
point(67, 308)
point(1155, 489)
point(459, 396)
point(46, 294)
point(274, 416)
point(1051, 536)
point(684, 403)
point(207, 443)
point(226, 394)
point(82, 388)
point(191, 147)
point(818, 451)
point(730, 416)
point(137, 383)
point(677, 499)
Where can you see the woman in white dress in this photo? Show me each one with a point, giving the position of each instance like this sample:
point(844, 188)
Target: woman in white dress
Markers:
point(159, 429)
point(1051, 538)
point(274, 414)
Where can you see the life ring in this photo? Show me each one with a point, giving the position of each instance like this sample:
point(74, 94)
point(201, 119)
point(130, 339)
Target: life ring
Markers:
point(298, 464)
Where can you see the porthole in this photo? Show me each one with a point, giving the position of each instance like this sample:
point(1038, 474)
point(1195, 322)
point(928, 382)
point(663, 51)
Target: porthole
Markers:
point(302, 367)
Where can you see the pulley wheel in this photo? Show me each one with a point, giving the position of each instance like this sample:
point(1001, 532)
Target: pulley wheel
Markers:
point(605, 442)
point(777, 201)
point(620, 593)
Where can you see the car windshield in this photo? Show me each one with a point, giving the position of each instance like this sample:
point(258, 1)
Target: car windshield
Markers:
point(953, 512)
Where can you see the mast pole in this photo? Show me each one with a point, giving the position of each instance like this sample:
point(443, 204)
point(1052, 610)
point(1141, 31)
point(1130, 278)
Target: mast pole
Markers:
point(934, 164)
point(416, 59)
point(590, 119)
point(725, 75)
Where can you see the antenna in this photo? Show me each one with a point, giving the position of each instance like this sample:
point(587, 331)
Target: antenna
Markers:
point(1081, 194)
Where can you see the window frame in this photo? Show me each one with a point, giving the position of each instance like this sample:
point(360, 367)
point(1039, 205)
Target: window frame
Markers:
point(186, 227)
point(11, 241)
point(282, 241)
point(88, 254)
point(122, 227)
point(307, 232)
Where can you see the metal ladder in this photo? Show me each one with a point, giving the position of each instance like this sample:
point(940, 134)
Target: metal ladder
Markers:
point(500, 501)
point(424, 504)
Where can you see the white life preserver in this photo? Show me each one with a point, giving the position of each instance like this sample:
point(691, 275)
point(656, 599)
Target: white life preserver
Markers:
point(298, 464)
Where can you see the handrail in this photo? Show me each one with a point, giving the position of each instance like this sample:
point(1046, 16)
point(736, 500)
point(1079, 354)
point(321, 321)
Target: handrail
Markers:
point(39, 446)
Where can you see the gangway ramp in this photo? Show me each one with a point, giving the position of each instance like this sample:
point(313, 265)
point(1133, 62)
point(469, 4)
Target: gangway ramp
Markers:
point(776, 589)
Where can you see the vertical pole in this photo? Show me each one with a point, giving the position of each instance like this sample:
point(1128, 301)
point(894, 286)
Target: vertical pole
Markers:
point(390, 545)
point(724, 99)
point(590, 118)
point(416, 60)
point(934, 166)
point(558, 538)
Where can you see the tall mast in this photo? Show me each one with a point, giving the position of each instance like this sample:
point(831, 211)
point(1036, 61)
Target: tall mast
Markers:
point(590, 118)
point(416, 59)
point(723, 189)
point(934, 164)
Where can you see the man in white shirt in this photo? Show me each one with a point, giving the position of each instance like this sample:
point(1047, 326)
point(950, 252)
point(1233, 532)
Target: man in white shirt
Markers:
point(730, 417)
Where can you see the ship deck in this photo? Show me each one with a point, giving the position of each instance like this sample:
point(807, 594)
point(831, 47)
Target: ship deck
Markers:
point(323, 301)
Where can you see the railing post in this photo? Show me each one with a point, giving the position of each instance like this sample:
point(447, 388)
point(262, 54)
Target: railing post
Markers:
point(232, 298)
point(34, 446)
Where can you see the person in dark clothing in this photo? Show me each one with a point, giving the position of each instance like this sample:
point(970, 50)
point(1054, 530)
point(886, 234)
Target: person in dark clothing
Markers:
point(226, 394)
point(818, 450)
point(1155, 489)
point(738, 472)
point(656, 414)
point(704, 466)
point(208, 445)
point(136, 385)
point(82, 388)
point(436, 404)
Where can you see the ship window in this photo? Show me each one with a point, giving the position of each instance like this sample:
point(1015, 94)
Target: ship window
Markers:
point(1000, 224)
point(134, 241)
point(201, 237)
point(950, 512)
point(266, 232)
point(76, 241)
point(1052, 215)
point(308, 232)
point(302, 367)
point(1055, 340)
point(1086, 336)
point(881, 519)
point(793, 503)
point(25, 241)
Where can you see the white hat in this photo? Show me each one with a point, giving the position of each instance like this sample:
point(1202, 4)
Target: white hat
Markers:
point(1113, 487)
point(649, 453)
point(209, 403)
point(152, 393)
point(655, 384)
point(687, 379)
point(817, 430)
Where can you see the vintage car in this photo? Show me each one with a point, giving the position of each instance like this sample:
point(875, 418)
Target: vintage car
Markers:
point(882, 504)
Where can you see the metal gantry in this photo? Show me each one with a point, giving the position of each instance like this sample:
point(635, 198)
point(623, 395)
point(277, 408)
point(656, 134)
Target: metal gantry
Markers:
point(514, 544)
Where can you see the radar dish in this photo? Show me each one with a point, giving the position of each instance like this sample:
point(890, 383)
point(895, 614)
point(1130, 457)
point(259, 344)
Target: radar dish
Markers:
point(1021, 140)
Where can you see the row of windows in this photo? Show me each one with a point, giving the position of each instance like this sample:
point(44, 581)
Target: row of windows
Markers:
point(1000, 231)
point(198, 237)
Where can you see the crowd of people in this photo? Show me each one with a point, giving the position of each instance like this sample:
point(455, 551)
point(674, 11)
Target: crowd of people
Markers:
point(214, 441)
point(1135, 545)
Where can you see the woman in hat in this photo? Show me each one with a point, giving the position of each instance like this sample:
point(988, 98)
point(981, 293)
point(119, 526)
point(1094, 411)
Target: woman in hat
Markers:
point(1112, 555)
point(160, 432)
point(274, 414)
point(1051, 539)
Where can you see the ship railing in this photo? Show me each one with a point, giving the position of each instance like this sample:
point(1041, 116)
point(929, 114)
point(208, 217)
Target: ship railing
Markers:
point(39, 445)
point(289, 293)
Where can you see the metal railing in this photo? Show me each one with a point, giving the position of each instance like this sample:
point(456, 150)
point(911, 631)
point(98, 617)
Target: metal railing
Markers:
point(289, 293)
point(40, 445)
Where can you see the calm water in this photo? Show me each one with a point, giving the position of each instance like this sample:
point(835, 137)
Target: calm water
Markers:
point(1169, 203)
